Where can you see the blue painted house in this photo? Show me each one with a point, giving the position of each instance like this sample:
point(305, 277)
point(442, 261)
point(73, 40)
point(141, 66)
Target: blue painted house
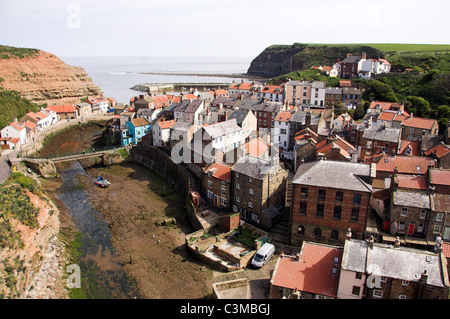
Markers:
point(134, 130)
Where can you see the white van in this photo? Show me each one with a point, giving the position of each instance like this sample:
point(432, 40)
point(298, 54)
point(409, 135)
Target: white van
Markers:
point(263, 255)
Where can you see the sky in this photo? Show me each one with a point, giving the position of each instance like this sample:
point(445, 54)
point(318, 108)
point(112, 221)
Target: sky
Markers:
point(232, 28)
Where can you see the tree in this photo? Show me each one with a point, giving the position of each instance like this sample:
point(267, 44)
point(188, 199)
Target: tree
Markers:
point(418, 105)
point(380, 91)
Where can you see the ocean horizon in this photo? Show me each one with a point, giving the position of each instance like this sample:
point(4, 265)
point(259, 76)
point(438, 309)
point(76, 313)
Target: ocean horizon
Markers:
point(116, 75)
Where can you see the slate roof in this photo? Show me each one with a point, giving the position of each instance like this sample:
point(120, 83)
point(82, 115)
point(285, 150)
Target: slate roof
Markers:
point(253, 167)
point(335, 174)
point(380, 133)
point(222, 128)
point(386, 261)
point(193, 106)
point(411, 199)
point(239, 115)
point(300, 117)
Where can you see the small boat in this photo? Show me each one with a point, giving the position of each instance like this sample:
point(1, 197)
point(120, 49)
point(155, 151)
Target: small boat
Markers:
point(102, 182)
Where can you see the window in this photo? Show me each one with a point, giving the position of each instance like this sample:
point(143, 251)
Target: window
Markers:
point(405, 283)
point(356, 290)
point(420, 228)
point(250, 204)
point(236, 174)
point(320, 208)
point(334, 271)
point(401, 297)
point(238, 199)
point(404, 211)
point(355, 214)
point(401, 225)
point(251, 191)
point(337, 212)
point(356, 199)
point(255, 217)
point(223, 201)
point(322, 194)
point(238, 186)
point(317, 232)
point(210, 195)
point(304, 192)
point(339, 196)
point(378, 293)
point(250, 179)
point(301, 230)
point(358, 275)
point(411, 130)
point(423, 214)
point(436, 229)
point(383, 279)
point(334, 234)
point(223, 191)
point(439, 217)
point(303, 206)
point(210, 183)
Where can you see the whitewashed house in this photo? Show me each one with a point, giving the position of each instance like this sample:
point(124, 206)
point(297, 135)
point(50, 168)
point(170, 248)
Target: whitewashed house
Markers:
point(282, 130)
point(149, 114)
point(224, 136)
point(161, 132)
point(318, 93)
point(98, 104)
point(15, 130)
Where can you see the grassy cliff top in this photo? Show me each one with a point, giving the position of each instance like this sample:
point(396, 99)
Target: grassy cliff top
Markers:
point(7, 52)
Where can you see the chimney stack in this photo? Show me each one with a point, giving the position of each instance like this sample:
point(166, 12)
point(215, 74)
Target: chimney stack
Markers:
point(297, 257)
point(364, 56)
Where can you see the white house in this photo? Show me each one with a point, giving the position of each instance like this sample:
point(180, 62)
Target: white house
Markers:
point(98, 104)
point(161, 132)
point(42, 119)
point(318, 93)
point(15, 130)
point(224, 136)
point(381, 66)
point(149, 114)
point(282, 130)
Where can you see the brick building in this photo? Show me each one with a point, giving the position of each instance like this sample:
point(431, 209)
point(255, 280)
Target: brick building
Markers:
point(328, 198)
point(379, 139)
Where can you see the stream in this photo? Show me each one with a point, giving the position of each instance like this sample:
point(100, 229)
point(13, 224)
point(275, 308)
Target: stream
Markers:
point(102, 276)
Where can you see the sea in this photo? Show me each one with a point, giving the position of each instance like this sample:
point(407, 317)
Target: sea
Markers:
point(116, 75)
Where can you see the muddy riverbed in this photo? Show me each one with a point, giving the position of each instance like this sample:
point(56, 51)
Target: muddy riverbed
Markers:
point(124, 252)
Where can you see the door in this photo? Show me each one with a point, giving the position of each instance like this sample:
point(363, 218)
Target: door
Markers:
point(411, 229)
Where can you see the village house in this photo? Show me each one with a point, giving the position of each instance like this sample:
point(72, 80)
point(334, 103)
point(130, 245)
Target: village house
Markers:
point(125, 117)
point(179, 112)
point(13, 131)
point(333, 96)
point(413, 128)
point(351, 96)
point(99, 104)
point(216, 181)
point(223, 136)
point(149, 114)
point(305, 92)
point(257, 184)
point(282, 130)
point(441, 153)
point(161, 133)
point(336, 149)
point(411, 148)
point(181, 135)
point(193, 110)
point(439, 183)
point(376, 107)
point(84, 108)
point(352, 65)
point(257, 147)
point(379, 139)
point(267, 112)
point(378, 271)
point(328, 197)
point(134, 131)
point(273, 93)
point(292, 275)
point(64, 111)
point(42, 119)
point(246, 120)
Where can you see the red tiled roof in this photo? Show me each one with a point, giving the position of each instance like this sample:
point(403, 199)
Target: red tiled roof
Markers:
point(30, 124)
point(440, 149)
point(62, 108)
point(386, 116)
point(440, 176)
point(166, 124)
point(220, 171)
point(312, 273)
point(284, 116)
point(419, 122)
point(275, 89)
point(306, 134)
point(412, 182)
point(18, 126)
point(404, 164)
point(413, 145)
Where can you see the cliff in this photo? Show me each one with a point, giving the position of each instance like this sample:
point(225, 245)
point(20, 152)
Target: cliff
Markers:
point(41, 77)
point(277, 60)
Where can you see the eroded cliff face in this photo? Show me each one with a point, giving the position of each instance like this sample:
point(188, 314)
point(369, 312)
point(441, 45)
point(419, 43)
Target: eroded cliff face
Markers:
point(44, 78)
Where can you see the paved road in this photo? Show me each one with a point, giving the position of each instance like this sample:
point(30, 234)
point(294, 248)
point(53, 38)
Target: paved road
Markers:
point(5, 169)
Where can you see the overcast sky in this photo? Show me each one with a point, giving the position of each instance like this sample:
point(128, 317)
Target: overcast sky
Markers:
point(236, 28)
